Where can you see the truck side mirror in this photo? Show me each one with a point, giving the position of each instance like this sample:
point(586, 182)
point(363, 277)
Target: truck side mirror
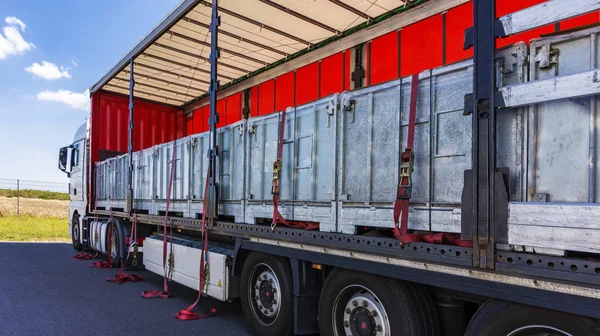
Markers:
point(63, 156)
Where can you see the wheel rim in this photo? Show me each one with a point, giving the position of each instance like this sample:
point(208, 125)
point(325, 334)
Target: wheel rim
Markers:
point(264, 293)
point(358, 312)
point(75, 232)
point(113, 245)
point(538, 330)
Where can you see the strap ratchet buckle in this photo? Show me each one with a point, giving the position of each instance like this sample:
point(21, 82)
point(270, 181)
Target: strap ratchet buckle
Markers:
point(406, 169)
point(276, 177)
point(171, 266)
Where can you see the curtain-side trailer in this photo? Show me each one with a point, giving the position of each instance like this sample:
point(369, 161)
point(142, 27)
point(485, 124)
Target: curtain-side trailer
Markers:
point(356, 167)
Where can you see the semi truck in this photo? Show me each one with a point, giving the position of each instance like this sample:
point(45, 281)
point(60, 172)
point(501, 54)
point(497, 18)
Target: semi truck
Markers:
point(351, 167)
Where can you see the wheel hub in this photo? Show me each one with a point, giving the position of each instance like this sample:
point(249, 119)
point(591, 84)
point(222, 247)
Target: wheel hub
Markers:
point(266, 295)
point(76, 231)
point(362, 322)
point(364, 315)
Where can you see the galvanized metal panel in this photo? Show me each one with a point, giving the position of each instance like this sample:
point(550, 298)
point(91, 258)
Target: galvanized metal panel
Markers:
point(231, 140)
point(181, 168)
point(564, 160)
point(262, 152)
point(199, 165)
point(568, 226)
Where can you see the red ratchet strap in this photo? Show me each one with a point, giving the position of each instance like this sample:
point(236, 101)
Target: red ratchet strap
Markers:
point(107, 263)
point(187, 314)
point(165, 292)
point(446, 239)
point(275, 187)
point(122, 277)
point(406, 168)
point(404, 193)
point(83, 256)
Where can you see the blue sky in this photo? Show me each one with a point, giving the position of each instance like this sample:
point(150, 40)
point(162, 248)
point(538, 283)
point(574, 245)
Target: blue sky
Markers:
point(51, 52)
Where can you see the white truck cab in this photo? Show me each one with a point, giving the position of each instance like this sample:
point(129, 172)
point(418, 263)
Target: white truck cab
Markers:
point(71, 160)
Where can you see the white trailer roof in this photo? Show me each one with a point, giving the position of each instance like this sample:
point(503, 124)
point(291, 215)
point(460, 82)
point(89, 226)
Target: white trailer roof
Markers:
point(171, 63)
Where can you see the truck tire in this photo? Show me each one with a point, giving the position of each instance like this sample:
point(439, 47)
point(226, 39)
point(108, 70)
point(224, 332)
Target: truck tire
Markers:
point(118, 243)
point(76, 233)
point(353, 303)
point(498, 317)
point(266, 294)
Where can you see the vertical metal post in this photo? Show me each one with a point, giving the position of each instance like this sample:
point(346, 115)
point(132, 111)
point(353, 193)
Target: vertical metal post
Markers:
point(129, 202)
point(213, 155)
point(484, 135)
point(18, 197)
point(593, 118)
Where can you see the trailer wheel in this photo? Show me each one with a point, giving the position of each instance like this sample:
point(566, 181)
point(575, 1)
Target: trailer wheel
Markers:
point(76, 233)
point(356, 304)
point(266, 294)
point(498, 317)
point(117, 244)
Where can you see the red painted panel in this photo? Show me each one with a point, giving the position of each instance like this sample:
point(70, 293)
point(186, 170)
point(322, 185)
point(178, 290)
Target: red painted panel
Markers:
point(234, 108)
point(102, 122)
point(284, 91)
point(154, 134)
point(367, 51)
point(580, 21)
point(347, 70)
point(189, 125)
point(384, 58)
point(254, 101)
point(504, 7)
point(457, 20)
point(205, 116)
point(95, 128)
point(266, 97)
point(421, 46)
point(221, 111)
point(180, 125)
point(162, 120)
point(153, 124)
point(331, 75)
point(307, 83)
point(123, 124)
point(197, 120)
point(139, 128)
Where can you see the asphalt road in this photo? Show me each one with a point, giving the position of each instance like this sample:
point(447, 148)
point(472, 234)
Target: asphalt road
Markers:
point(45, 292)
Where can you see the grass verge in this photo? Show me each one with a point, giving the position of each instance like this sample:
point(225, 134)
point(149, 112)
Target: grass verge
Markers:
point(30, 228)
point(41, 194)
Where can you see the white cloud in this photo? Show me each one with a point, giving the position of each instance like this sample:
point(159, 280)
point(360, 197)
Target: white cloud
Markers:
point(79, 101)
point(11, 41)
point(48, 71)
point(13, 21)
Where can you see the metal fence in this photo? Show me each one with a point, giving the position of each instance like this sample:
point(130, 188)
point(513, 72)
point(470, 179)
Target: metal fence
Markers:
point(13, 191)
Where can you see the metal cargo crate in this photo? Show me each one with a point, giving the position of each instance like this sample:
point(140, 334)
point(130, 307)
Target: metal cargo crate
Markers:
point(198, 144)
point(143, 163)
point(231, 140)
point(560, 152)
point(163, 162)
point(308, 166)
point(373, 126)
